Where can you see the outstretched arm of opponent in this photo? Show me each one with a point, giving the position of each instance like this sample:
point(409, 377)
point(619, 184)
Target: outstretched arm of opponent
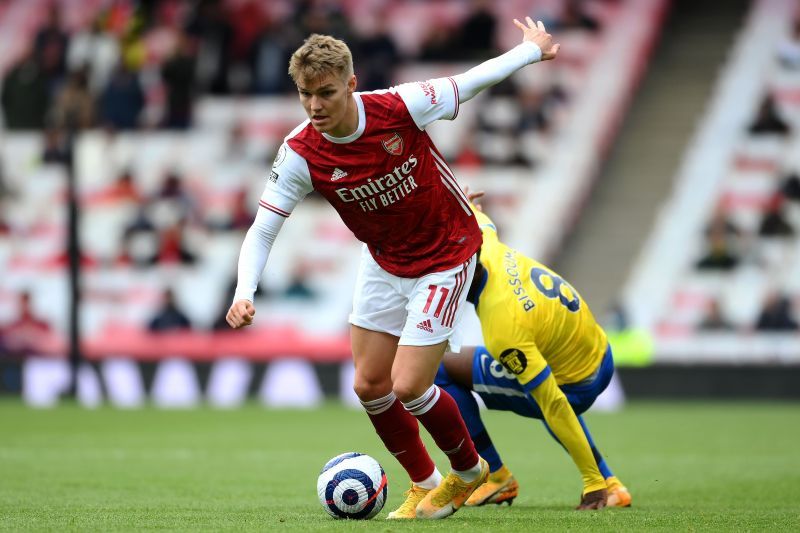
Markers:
point(565, 426)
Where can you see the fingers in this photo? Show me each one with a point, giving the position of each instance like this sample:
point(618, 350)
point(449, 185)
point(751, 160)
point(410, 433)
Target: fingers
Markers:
point(540, 25)
point(520, 25)
point(593, 500)
point(477, 195)
point(240, 314)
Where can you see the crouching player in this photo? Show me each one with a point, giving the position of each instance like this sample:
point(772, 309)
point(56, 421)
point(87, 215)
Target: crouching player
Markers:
point(545, 358)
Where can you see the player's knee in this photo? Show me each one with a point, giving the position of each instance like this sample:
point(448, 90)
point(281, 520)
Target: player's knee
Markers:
point(371, 389)
point(407, 391)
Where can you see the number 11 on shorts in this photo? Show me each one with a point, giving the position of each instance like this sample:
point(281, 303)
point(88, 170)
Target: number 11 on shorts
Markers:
point(444, 291)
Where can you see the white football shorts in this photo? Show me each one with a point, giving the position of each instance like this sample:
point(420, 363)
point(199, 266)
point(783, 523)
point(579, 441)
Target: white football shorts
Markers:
point(421, 311)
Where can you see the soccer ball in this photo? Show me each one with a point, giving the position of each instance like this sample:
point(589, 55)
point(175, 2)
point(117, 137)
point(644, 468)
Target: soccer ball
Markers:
point(352, 485)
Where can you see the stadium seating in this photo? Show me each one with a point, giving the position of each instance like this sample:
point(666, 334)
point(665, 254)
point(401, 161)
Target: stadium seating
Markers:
point(533, 192)
point(736, 173)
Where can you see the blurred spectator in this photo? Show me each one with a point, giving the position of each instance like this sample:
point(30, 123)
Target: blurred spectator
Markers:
point(774, 222)
point(23, 337)
point(722, 226)
point(123, 190)
point(790, 187)
point(532, 111)
point(576, 16)
point(768, 119)
point(172, 246)
point(239, 216)
point(715, 319)
point(139, 246)
point(437, 45)
point(169, 317)
point(720, 223)
point(178, 72)
point(247, 19)
point(789, 50)
point(271, 53)
point(298, 287)
point(74, 105)
point(776, 315)
point(373, 52)
point(632, 346)
point(50, 45)
point(25, 96)
point(476, 36)
point(210, 27)
point(122, 101)
point(468, 154)
point(322, 16)
point(57, 149)
point(95, 50)
point(173, 200)
point(719, 255)
point(5, 229)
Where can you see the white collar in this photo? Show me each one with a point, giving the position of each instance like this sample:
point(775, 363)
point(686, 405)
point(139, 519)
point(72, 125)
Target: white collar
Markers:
point(362, 124)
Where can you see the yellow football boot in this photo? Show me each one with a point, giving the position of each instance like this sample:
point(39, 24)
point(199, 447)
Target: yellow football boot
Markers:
point(501, 487)
point(408, 509)
point(618, 495)
point(451, 494)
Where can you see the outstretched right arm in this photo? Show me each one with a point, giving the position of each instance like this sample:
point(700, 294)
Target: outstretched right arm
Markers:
point(440, 98)
point(288, 183)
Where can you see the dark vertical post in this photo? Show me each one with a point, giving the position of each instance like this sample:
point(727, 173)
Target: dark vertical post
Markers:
point(74, 260)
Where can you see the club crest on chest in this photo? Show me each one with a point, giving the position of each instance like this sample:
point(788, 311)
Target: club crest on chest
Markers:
point(393, 144)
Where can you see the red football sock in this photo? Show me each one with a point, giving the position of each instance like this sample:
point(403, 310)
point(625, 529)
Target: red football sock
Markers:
point(439, 413)
point(399, 432)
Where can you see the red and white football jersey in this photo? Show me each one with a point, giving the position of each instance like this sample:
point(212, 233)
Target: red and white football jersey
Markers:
point(387, 180)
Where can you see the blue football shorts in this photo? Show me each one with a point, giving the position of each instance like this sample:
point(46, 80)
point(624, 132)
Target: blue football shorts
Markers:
point(501, 391)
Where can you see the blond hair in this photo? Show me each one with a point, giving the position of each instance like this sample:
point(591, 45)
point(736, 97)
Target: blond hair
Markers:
point(319, 56)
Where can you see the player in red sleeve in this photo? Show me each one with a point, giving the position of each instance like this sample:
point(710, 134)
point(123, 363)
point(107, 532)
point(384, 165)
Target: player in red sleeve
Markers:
point(369, 155)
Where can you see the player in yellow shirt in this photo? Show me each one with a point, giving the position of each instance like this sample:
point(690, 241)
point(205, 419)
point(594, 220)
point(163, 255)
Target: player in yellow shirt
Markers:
point(545, 358)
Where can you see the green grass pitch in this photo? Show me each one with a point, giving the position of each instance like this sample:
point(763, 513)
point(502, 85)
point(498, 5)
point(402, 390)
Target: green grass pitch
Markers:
point(689, 466)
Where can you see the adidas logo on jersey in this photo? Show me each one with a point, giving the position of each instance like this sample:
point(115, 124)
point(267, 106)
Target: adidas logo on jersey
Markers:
point(338, 174)
point(425, 325)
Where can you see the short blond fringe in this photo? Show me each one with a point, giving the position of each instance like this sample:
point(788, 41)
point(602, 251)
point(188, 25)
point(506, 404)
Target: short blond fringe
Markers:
point(319, 56)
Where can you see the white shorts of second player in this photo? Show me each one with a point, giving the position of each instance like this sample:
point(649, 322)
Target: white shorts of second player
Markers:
point(421, 311)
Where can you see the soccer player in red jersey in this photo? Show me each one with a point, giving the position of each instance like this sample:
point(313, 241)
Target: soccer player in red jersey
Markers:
point(369, 155)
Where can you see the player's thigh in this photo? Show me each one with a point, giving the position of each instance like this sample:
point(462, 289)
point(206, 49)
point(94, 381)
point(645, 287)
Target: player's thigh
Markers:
point(435, 306)
point(499, 388)
point(373, 355)
point(414, 369)
point(379, 301)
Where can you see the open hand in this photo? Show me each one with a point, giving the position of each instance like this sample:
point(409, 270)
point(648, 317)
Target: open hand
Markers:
point(595, 499)
point(535, 33)
point(474, 196)
point(240, 314)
